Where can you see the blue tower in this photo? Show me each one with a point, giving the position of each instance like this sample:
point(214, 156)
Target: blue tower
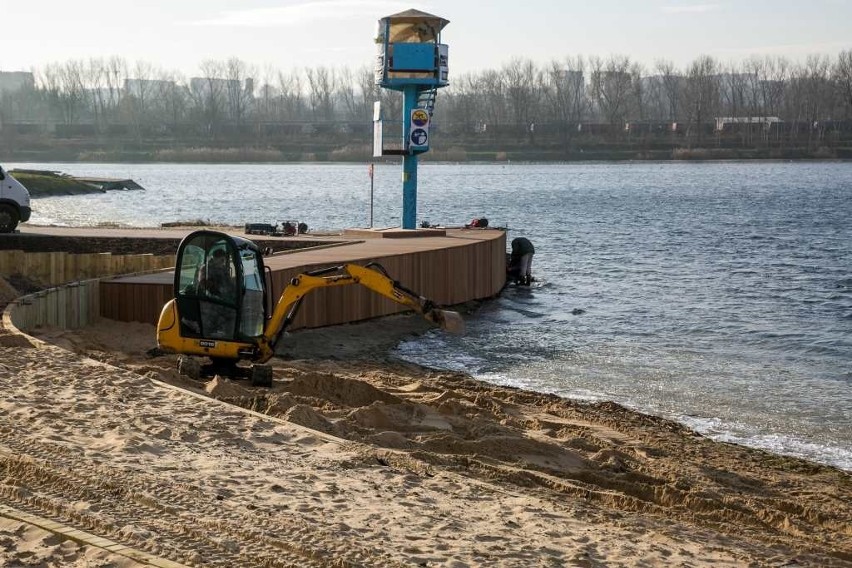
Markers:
point(411, 59)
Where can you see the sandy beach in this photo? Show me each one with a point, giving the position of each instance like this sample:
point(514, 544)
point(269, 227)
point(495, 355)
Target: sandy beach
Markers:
point(356, 459)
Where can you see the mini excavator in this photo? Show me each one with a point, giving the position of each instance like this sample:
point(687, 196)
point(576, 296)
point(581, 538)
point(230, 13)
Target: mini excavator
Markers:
point(222, 299)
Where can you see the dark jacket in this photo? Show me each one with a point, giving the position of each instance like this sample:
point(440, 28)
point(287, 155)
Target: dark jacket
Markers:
point(521, 246)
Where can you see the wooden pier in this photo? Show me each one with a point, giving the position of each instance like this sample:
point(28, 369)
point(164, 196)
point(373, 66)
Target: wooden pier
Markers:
point(457, 266)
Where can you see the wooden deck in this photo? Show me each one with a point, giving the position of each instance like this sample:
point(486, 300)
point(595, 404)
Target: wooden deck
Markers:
point(463, 265)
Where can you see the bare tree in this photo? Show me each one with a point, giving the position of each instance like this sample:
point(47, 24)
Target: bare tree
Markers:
point(239, 90)
point(208, 97)
point(322, 83)
point(96, 80)
point(292, 98)
point(702, 92)
point(813, 92)
point(368, 92)
point(47, 81)
point(174, 98)
point(565, 94)
point(392, 105)
point(578, 102)
point(492, 89)
point(772, 87)
point(611, 87)
point(267, 102)
point(753, 71)
point(460, 109)
point(842, 75)
point(346, 92)
point(656, 104)
point(732, 90)
point(734, 96)
point(808, 97)
point(70, 90)
point(115, 74)
point(672, 83)
point(139, 92)
point(639, 95)
point(522, 92)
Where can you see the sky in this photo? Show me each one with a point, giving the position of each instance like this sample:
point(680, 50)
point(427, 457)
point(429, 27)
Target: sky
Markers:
point(178, 35)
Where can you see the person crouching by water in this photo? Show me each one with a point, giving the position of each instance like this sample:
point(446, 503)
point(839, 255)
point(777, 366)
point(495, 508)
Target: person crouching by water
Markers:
point(520, 261)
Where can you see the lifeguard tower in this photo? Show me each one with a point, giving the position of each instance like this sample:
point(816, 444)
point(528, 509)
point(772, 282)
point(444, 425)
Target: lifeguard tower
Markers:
point(411, 59)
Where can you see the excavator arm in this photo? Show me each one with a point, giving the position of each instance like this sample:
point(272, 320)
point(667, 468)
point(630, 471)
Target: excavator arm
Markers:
point(372, 276)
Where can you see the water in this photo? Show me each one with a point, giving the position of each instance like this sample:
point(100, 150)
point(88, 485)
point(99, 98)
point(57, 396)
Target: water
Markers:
point(715, 294)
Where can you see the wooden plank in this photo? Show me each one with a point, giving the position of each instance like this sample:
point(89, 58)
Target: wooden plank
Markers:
point(63, 299)
point(72, 307)
point(72, 267)
point(84, 266)
point(94, 300)
point(104, 264)
point(8, 260)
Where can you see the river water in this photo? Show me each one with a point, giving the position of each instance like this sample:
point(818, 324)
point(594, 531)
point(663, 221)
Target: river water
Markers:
point(716, 294)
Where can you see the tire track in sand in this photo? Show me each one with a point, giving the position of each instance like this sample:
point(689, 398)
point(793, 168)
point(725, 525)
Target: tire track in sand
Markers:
point(185, 522)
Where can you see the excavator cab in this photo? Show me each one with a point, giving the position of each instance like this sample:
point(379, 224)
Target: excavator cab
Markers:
point(219, 287)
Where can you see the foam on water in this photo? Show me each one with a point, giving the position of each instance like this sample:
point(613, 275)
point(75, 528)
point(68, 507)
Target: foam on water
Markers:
point(748, 435)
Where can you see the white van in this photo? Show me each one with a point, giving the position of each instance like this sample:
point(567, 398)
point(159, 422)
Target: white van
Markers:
point(14, 202)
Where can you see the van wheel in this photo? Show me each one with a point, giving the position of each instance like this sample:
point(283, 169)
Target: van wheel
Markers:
point(8, 218)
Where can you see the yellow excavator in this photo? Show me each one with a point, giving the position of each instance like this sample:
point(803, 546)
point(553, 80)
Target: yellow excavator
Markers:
point(222, 299)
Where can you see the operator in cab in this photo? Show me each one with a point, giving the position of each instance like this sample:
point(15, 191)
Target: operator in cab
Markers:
point(216, 277)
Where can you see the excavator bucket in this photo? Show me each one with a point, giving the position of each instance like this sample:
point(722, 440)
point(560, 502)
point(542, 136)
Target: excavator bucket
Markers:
point(449, 321)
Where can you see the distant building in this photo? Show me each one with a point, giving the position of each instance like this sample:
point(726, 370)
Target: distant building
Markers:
point(766, 121)
point(11, 81)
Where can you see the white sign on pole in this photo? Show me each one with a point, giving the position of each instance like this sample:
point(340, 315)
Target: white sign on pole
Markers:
point(377, 130)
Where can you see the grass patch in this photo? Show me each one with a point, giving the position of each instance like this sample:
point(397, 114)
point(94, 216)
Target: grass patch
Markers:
point(45, 183)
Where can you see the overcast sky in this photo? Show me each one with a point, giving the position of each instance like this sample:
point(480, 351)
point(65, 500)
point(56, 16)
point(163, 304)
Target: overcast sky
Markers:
point(177, 35)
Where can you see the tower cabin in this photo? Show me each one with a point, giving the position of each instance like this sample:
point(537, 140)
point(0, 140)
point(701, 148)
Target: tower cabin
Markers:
point(410, 52)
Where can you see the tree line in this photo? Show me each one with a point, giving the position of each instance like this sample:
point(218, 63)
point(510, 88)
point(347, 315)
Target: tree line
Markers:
point(112, 95)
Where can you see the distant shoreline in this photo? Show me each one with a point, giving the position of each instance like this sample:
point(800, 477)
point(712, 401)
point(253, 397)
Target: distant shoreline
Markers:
point(500, 153)
point(395, 161)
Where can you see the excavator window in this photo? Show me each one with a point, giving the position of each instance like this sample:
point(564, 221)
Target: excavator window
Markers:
point(208, 292)
point(193, 258)
point(252, 316)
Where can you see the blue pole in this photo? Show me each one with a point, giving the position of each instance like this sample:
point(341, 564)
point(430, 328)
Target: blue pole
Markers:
point(409, 162)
